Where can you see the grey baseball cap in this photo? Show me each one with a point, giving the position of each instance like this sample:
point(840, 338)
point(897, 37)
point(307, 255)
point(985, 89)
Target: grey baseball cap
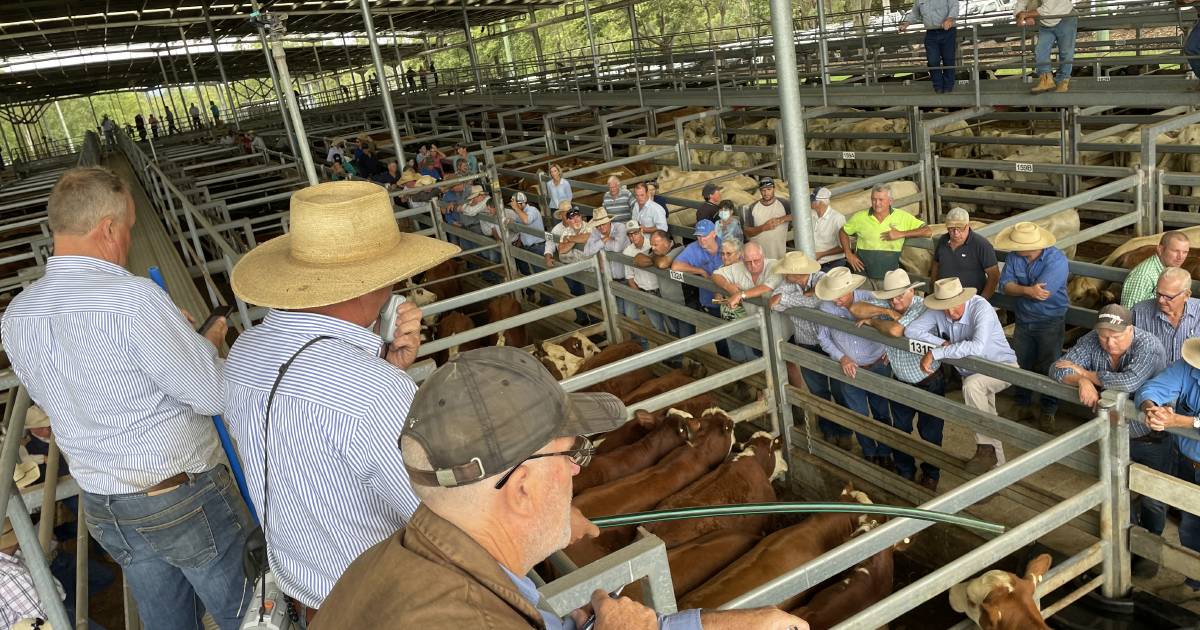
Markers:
point(486, 410)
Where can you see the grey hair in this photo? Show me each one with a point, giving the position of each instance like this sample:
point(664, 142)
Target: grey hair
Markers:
point(732, 242)
point(83, 197)
point(471, 496)
point(1178, 275)
point(957, 214)
point(614, 178)
point(887, 188)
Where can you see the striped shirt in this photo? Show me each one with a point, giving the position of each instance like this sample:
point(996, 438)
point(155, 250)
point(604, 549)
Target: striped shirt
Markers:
point(619, 206)
point(338, 484)
point(791, 295)
point(1147, 317)
point(1141, 362)
point(906, 366)
point(126, 381)
point(838, 344)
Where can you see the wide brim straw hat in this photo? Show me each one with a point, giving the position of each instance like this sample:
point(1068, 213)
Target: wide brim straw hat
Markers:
point(795, 263)
point(563, 208)
point(426, 180)
point(35, 418)
point(948, 293)
point(343, 243)
point(838, 282)
point(411, 176)
point(1191, 352)
point(895, 282)
point(1025, 236)
point(600, 217)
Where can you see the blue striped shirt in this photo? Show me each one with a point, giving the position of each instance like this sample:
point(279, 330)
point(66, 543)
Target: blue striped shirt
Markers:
point(906, 366)
point(1140, 363)
point(338, 484)
point(791, 295)
point(838, 344)
point(127, 383)
point(1147, 317)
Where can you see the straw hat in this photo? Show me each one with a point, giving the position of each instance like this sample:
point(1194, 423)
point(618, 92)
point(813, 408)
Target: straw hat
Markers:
point(563, 208)
point(26, 472)
point(600, 217)
point(838, 282)
point(1024, 237)
point(426, 180)
point(475, 192)
point(948, 293)
point(35, 418)
point(795, 263)
point(31, 624)
point(344, 243)
point(895, 282)
point(1191, 352)
point(410, 176)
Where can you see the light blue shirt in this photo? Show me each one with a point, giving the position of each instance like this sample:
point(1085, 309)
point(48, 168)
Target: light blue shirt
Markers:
point(617, 244)
point(128, 384)
point(907, 365)
point(1050, 268)
point(559, 192)
point(976, 334)
point(932, 13)
point(1147, 317)
point(650, 215)
point(1178, 386)
point(338, 484)
point(683, 620)
point(838, 344)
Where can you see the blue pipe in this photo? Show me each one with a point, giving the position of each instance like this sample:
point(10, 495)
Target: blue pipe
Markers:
point(235, 464)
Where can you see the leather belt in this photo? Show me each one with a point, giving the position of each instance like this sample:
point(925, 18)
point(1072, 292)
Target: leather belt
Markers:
point(309, 613)
point(167, 485)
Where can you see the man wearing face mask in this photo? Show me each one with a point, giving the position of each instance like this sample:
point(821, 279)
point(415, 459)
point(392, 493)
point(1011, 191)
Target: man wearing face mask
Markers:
point(335, 415)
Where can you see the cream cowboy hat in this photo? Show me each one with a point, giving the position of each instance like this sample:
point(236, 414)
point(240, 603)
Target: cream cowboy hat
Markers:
point(563, 208)
point(35, 418)
point(344, 243)
point(475, 192)
point(895, 282)
point(948, 293)
point(426, 180)
point(838, 282)
point(1191, 352)
point(600, 217)
point(795, 263)
point(1025, 236)
point(412, 176)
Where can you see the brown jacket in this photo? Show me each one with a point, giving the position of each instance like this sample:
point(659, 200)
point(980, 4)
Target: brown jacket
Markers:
point(428, 575)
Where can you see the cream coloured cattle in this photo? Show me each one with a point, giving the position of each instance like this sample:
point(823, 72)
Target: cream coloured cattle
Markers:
point(1087, 292)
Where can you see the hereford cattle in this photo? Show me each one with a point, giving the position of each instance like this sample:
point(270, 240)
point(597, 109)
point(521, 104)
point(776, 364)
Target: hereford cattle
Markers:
point(439, 280)
point(453, 323)
point(1093, 293)
point(697, 560)
point(862, 586)
point(500, 308)
point(678, 429)
point(779, 553)
point(580, 346)
point(611, 354)
point(644, 489)
point(999, 600)
point(645, 421)
point(655, 386)
point(744, 479)
point(560, 363)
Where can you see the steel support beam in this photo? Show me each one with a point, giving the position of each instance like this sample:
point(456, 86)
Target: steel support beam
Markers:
point(471, 49)
point(791, 123)
point(389, 113)
point(212, 36)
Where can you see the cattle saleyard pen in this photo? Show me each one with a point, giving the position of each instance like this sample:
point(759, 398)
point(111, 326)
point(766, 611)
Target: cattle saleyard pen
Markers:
point(1106, 167)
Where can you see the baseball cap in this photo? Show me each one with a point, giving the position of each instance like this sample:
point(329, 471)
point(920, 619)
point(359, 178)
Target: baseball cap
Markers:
point(766, 181)
point(708, 191)
point(518, 197)
point(572, 213)
point(487, 410)
point(633, 226)
point(704, 227)
point(1113, 317)
point(822, 194)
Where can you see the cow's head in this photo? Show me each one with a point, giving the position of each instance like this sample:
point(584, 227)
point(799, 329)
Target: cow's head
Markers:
point(999, 600)
point(716, 420)
point(580, 346)
point(687, 426)
point(768, 449)
point(562, 364)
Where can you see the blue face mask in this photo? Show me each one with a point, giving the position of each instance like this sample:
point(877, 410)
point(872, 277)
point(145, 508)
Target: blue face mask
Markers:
point(725, 214)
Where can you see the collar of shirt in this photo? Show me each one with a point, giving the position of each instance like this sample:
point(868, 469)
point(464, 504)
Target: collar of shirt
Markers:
point(70, 264)
point(314, 324)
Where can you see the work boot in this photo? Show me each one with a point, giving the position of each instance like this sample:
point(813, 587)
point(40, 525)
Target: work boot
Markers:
point(983, 461)
point(929, 483)
point(1025, 415)
point(844, 442)
point(1045, 84)
point(1045, 423)
point(1063, 85)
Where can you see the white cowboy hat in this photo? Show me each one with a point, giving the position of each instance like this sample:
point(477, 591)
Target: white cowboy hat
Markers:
point(1191, 352)
point(600, 217)
point(344, 243)
point(838, 282)
point(475, 192)
point(563, 208)
point(35, 418)
point(426, 180)
point(1024, 237)
point(895, 282)
point(948, 293)
point(795, 263)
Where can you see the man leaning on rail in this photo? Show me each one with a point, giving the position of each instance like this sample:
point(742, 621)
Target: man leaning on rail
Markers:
point(493, 472)
point(332, 482)
point(128, 385)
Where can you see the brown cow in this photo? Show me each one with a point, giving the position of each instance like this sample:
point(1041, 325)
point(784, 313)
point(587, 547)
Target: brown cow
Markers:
point(999, 600)
point(500, 308)
point(655, 386)
point(862, 586)
point(611, 354)
point(643, 490)
point(779, 553)
point(435, 279)
point(453, 323)
point(644, 421)
point(697, 560)
point(580, 346)
point(679, 428)
point(744, 479)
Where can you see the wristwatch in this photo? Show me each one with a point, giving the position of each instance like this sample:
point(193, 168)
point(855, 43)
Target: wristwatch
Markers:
point(742, 296)
point(1196, 422)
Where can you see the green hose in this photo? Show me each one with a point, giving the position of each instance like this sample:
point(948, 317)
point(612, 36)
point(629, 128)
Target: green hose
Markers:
point(746, 509)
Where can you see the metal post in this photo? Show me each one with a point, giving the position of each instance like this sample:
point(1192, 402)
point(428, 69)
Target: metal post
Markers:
point(212, 36)
point(389, 113)
point(305, 153)
point(400, 85)
point(791, 124)
point(195, 81)
point(39, 567)
point(63, 122)
point(537, 41)
point(822, 51)
point(587, 16)
point(266, 48)
point(181, 114)
point(471, 49)
point(608, 305)
point(81, 571)
point(1114, 511)
point(12, 442)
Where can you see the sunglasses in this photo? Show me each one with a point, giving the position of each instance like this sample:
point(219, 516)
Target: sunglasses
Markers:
point(580, 454)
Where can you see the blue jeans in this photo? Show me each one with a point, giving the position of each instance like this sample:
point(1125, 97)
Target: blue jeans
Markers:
point(939, 51)
point(1038, 345)
point(742, 353)
point(1191, 48)
point(181, 551)
point(929, 427)
point(1189, 524)
point(1160, 456)
point(819, 385)
point(858, 400)
point(576, 288)
point(1062, 34)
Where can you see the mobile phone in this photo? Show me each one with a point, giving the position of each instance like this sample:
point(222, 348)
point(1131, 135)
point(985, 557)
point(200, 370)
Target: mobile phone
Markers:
point(387, 318)
point(220, 311)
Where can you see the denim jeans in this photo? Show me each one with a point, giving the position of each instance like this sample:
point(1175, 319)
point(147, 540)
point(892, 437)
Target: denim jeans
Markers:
point(939, 51)
point(1038, 345)
point(858, 400)
point(576, 288)
point(1062, 34)
point(1160, 456)
point(181, 551)
point(1189, 524)
point(929, 427)
point(1191, 48)
point(741, 353)
point(819, 385)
